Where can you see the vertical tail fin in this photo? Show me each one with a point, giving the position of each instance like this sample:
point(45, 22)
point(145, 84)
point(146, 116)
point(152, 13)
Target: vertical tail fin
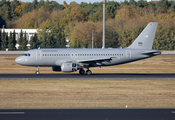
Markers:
point(146, 37)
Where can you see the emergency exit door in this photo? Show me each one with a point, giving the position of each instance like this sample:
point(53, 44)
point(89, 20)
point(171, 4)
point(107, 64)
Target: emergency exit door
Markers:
point(38, 55)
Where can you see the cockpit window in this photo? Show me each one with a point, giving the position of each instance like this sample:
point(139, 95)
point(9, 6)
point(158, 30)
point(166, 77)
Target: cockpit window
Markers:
point(25, 54)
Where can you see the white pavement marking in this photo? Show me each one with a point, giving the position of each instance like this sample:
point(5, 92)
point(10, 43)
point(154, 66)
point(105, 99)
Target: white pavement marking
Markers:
point(11, 113)
point(173, 112)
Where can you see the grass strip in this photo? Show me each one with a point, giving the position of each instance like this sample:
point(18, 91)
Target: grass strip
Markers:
point(66, 93)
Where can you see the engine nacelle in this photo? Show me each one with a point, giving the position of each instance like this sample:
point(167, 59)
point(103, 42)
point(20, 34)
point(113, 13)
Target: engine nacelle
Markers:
point(69, 67)
point(56, 68)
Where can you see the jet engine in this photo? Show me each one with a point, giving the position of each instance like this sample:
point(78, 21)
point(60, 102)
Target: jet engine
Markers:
point(56, 68)
point(69, 67)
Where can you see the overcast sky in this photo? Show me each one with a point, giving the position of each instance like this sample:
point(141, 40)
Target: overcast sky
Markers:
point(69, 1)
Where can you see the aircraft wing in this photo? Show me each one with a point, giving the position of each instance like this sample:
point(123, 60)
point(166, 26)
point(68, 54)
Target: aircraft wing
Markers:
point(96, 60)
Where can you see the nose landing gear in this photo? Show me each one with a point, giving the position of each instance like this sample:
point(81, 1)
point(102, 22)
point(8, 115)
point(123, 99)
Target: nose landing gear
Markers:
point(37, 70)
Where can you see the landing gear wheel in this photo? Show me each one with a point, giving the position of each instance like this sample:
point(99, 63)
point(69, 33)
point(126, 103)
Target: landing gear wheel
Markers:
point(37, 72)
point(88, 72)
point(81, 72)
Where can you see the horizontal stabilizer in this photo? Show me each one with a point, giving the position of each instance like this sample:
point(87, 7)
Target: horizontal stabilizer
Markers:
point(151, 52)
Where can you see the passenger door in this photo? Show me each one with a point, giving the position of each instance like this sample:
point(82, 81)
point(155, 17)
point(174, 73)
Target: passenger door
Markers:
point(128, 54)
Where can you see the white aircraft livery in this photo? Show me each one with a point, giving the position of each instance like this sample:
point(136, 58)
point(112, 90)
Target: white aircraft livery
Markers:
point(70, 60)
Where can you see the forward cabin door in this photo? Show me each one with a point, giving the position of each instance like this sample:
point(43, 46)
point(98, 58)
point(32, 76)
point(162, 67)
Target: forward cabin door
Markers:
point(128, 54)
point(38, 55)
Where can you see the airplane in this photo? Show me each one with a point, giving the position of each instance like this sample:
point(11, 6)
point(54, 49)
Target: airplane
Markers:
point(73, 59)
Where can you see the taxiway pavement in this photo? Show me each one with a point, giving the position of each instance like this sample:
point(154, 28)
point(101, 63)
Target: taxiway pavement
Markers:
point(87, 114)
point(93, 76)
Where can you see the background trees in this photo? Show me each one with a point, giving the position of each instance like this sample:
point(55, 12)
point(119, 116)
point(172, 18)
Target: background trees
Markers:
point(10, 41)
point(54, 21)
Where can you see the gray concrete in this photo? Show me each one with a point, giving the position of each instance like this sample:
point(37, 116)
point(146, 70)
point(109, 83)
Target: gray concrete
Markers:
point(168, 52)
point(11, 52)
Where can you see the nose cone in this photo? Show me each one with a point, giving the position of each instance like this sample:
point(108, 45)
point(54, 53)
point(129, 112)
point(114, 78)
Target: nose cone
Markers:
point(21, 60)
point(18, 60)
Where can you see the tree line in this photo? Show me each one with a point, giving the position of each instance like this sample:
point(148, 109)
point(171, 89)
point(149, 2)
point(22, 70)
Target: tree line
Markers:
point(46, 41)
point(124, 21)
point(7, 42)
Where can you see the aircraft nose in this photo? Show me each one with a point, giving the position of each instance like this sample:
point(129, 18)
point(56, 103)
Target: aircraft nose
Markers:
point(21, 60)
point(18, 60)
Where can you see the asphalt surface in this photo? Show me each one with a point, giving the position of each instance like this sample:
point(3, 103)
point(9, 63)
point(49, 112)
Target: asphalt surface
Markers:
point(87, 114)
point(93, 76)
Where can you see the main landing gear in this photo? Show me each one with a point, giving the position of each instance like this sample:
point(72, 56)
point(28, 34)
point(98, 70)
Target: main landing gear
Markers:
point(37, 70)
point(88, 72)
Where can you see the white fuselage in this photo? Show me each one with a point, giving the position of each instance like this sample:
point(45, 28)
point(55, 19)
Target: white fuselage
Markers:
point(54, 57)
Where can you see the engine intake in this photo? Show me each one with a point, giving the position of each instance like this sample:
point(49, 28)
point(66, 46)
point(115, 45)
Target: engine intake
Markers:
point(56, 68)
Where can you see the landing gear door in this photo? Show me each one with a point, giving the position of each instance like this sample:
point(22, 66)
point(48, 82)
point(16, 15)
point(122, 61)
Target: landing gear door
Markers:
point(128, 54)
point(38, 55)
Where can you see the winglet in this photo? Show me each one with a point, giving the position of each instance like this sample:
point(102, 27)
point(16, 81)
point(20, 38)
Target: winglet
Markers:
point(146, 37)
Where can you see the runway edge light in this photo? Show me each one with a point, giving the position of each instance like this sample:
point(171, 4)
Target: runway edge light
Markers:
point(126, 106)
